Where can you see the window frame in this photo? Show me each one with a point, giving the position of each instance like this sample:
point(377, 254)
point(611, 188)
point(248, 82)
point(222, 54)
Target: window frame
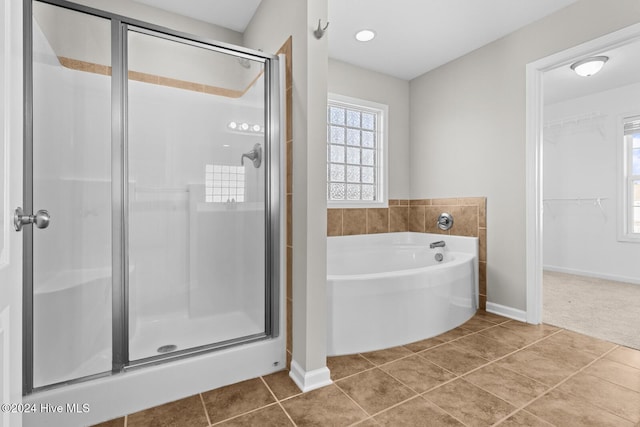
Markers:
point(625, 187)
point(381, 151)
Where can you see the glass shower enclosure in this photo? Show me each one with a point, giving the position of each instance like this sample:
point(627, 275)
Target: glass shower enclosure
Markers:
point(156, 156)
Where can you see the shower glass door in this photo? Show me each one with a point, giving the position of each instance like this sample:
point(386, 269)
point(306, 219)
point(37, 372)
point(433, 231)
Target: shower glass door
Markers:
point(196, 205)
point(71, 179)
point(152, 152)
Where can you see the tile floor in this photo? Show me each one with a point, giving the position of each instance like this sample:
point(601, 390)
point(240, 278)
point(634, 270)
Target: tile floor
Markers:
point(489, 371)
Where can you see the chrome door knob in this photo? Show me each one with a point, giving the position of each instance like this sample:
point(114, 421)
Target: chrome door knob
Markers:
point(41, 219)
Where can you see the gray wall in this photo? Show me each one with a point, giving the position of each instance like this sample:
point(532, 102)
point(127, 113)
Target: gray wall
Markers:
point(350, 80)
point(273, 23)
point(468, 129)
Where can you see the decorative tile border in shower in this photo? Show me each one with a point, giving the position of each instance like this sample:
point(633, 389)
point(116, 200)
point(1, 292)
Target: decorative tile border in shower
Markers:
point(419, 215)
point(105, 70)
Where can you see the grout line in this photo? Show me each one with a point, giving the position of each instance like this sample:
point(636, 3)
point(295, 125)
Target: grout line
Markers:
point(442, 409)
point(489, 362)
point(450, 342)
point(456, 376)
point(287, 414)
point(269, 388)
point(403, 357)
point(614, 383)
point(386, 409)
point(418, 394)
point(418, 352)
point(206, 413)
point(389, 219)
point(558, 385)
point(351, 398)
point(616, 346)
point(366, 221)
point(518, 408)
point(362, 421)
point(244, 413)
point(278, 400)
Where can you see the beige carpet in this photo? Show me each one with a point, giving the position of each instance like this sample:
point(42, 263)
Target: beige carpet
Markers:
point(599, 308)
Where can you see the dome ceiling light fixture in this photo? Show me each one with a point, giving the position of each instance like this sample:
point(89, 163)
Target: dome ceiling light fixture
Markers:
point(589, 66)
point(365, 35)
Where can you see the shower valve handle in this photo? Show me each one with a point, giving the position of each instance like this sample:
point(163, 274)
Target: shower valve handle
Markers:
point(41, 219)
point(254, 155)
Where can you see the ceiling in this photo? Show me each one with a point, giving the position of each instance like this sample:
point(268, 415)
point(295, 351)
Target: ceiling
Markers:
point(416, 36)
point(622, 69)
point(413, 36)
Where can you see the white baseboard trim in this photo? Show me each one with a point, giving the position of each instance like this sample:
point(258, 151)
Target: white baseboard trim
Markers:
point(605, 276)
point(307, 381)
point(503, 310)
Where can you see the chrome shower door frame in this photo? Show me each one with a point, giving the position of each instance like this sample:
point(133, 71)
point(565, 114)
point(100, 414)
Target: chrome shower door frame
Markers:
point(120, 26)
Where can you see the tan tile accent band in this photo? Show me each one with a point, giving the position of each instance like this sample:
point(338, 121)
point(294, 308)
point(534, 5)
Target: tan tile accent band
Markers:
point(105, 70)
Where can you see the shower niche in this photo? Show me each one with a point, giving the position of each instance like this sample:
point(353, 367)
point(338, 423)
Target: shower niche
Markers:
point(163, 243)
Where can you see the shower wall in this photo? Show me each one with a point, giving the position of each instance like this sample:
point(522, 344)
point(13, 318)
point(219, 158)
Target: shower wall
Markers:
point(167, 217)
point(72, 257)
point(176, 269)
point(581, 143)
point(75, 161)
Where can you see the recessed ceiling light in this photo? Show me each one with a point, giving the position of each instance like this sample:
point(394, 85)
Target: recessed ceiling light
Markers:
point(589, 66)
point(365, 35)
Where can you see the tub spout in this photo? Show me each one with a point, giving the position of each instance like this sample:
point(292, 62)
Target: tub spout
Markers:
point(438, 244)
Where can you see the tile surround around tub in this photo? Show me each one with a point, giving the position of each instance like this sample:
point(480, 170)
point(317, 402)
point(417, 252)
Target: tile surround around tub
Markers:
point(286, 50)
point(419, 215)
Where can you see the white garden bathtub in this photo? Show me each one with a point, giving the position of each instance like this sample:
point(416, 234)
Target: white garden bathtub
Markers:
point(386, 290)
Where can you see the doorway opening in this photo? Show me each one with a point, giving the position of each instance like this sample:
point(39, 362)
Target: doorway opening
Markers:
point(575, 191)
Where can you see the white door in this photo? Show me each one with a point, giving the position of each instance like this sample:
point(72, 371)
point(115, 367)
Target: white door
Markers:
point(10, 197)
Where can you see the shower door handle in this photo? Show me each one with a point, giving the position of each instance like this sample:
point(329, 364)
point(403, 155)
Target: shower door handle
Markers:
point(41, 219)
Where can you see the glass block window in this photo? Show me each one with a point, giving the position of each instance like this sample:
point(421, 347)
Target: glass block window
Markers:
point(224, 183)
point(354, 153)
